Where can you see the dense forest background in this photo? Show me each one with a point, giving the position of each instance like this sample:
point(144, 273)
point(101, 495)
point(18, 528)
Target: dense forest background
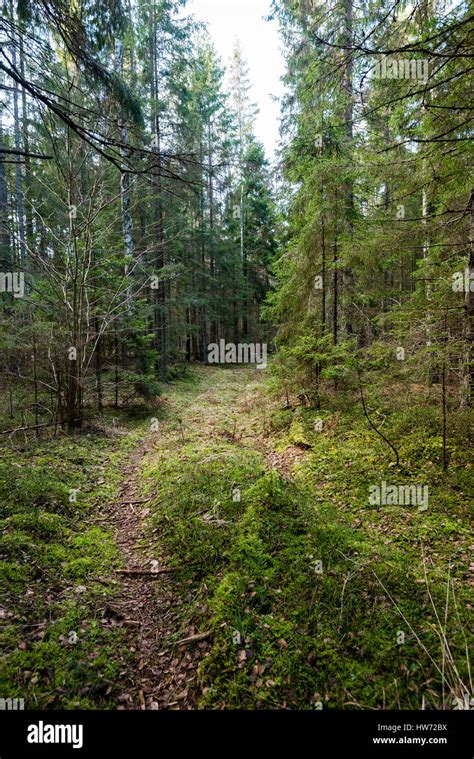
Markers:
point(140, 208)
point(135, 199)
point(379, 208)
point(141, 222)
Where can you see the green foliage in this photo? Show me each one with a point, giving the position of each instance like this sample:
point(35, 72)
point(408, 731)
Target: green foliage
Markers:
point(53, 558)
point(376, 227)
point(288, 632)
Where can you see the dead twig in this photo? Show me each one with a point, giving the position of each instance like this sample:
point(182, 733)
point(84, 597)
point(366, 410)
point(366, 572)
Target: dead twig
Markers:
point(147, 572)
point(194, 638)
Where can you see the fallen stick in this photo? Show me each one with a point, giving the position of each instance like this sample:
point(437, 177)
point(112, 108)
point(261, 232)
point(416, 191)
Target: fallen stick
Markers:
point(146, 571)
point(146, 500)
point(57, 422)
point(25, 429)
point(194, 638)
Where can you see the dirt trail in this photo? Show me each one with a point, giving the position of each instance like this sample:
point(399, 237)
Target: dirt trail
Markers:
point(162, 673)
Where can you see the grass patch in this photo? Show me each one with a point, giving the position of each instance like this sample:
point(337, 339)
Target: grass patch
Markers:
point(56, 568)
point(314, 597)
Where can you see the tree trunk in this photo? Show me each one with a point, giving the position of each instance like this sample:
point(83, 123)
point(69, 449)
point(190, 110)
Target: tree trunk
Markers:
point(160, 305)
point(18, 173)
point(347, 274)
point(467, 385)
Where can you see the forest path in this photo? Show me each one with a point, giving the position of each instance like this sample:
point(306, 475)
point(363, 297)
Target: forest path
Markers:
point(161, 672)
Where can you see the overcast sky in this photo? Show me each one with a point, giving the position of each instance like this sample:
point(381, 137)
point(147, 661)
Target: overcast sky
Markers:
point(245, 19)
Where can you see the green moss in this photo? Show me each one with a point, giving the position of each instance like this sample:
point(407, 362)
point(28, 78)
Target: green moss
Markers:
point(305, 585)
point(50, 546)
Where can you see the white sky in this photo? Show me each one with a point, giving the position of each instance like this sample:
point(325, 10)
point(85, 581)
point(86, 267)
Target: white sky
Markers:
point(261, 46)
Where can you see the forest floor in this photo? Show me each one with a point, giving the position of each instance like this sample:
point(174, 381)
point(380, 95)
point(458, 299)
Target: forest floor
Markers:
point(221, 553)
